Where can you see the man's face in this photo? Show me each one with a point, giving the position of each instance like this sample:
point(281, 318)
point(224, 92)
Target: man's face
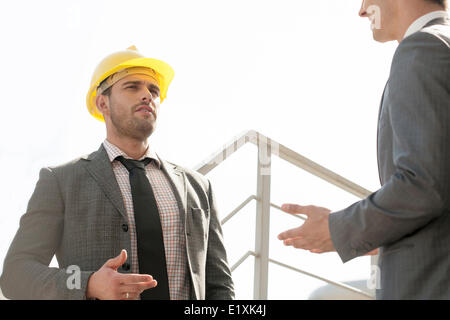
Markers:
point(134, 106)
point(384, 17)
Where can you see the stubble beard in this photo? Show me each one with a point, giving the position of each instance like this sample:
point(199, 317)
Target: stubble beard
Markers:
point(132, 126)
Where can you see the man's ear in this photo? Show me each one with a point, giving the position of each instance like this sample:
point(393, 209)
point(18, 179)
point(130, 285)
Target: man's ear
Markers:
point(102, 103)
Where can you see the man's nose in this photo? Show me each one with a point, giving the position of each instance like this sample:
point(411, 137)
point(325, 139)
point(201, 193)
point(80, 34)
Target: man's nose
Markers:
point(362, 11)
point(146, 95)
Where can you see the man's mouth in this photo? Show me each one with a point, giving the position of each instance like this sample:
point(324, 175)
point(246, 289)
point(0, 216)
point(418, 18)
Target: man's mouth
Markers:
point(146, 110)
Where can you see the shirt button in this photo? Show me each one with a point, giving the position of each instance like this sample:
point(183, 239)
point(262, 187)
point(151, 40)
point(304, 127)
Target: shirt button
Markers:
point(125, 227)
point(126, 266)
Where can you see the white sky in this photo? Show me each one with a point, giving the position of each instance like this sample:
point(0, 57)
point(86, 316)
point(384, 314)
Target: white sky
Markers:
point(305, 73)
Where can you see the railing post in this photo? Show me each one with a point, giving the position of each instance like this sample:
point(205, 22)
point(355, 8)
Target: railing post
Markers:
point(261, 277)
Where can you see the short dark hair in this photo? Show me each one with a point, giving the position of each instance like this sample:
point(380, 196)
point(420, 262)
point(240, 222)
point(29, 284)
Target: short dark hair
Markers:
point(107, 92)
point(443, 3)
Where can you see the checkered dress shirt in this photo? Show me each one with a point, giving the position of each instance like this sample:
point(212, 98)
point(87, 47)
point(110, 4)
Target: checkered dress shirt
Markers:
point(172, 228)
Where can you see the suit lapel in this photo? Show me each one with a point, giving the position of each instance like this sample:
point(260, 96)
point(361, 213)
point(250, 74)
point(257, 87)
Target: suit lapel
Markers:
point(100, 168)
point(178, 180)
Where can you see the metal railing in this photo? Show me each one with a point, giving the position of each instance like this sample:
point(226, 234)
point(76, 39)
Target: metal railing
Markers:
point(266, 148)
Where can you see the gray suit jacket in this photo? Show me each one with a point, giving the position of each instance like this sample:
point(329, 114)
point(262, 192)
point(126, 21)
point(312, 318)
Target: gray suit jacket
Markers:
point(409, 217)
point(77, 213)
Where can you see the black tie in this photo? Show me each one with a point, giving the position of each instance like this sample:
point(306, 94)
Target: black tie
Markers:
point(150, 243)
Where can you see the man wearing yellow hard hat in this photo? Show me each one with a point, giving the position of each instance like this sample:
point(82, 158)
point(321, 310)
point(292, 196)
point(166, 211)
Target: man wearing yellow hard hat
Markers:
point(122, 222)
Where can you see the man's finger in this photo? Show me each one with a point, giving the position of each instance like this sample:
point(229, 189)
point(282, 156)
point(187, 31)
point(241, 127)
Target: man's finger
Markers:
point(292, 233)
point(116, 262)
point(299, 243)
point(135, 278)
point(292, 208)
point(298, 209)
point(288, 242)
point(138, 287)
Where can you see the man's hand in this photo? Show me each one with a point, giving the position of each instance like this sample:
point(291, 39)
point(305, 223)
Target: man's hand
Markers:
point(314, 234)
point(108, 284)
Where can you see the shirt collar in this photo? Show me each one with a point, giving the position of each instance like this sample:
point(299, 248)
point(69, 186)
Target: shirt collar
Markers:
point(423, 21)
point(113, 152)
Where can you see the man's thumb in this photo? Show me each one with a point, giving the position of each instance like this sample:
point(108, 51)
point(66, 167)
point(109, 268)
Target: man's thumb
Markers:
point(118, 261)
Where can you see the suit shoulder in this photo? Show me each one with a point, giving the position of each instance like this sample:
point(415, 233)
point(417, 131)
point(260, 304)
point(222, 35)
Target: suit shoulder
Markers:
point(424, 50)
point(435, 37)
point(71, 164)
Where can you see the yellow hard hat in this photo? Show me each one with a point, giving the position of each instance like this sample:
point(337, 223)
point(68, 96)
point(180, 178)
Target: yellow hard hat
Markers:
point(121, 60)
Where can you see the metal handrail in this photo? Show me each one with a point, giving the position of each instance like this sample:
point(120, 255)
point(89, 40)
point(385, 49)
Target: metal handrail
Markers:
point(247, 201)
point(284, 153)
point(272, 147)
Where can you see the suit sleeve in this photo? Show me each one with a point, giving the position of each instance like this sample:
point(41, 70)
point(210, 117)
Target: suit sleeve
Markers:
point(26, 271)
point(417, 192)
point(219, 284)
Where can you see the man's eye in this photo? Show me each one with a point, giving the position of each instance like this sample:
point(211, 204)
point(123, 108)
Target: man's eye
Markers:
point(133, 87)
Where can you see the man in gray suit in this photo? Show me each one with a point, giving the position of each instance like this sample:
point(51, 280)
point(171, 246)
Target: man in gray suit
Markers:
point(408, 218)
point(85, 212)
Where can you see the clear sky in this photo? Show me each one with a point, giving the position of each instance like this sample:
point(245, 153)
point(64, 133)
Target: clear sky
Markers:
point(305, 73)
